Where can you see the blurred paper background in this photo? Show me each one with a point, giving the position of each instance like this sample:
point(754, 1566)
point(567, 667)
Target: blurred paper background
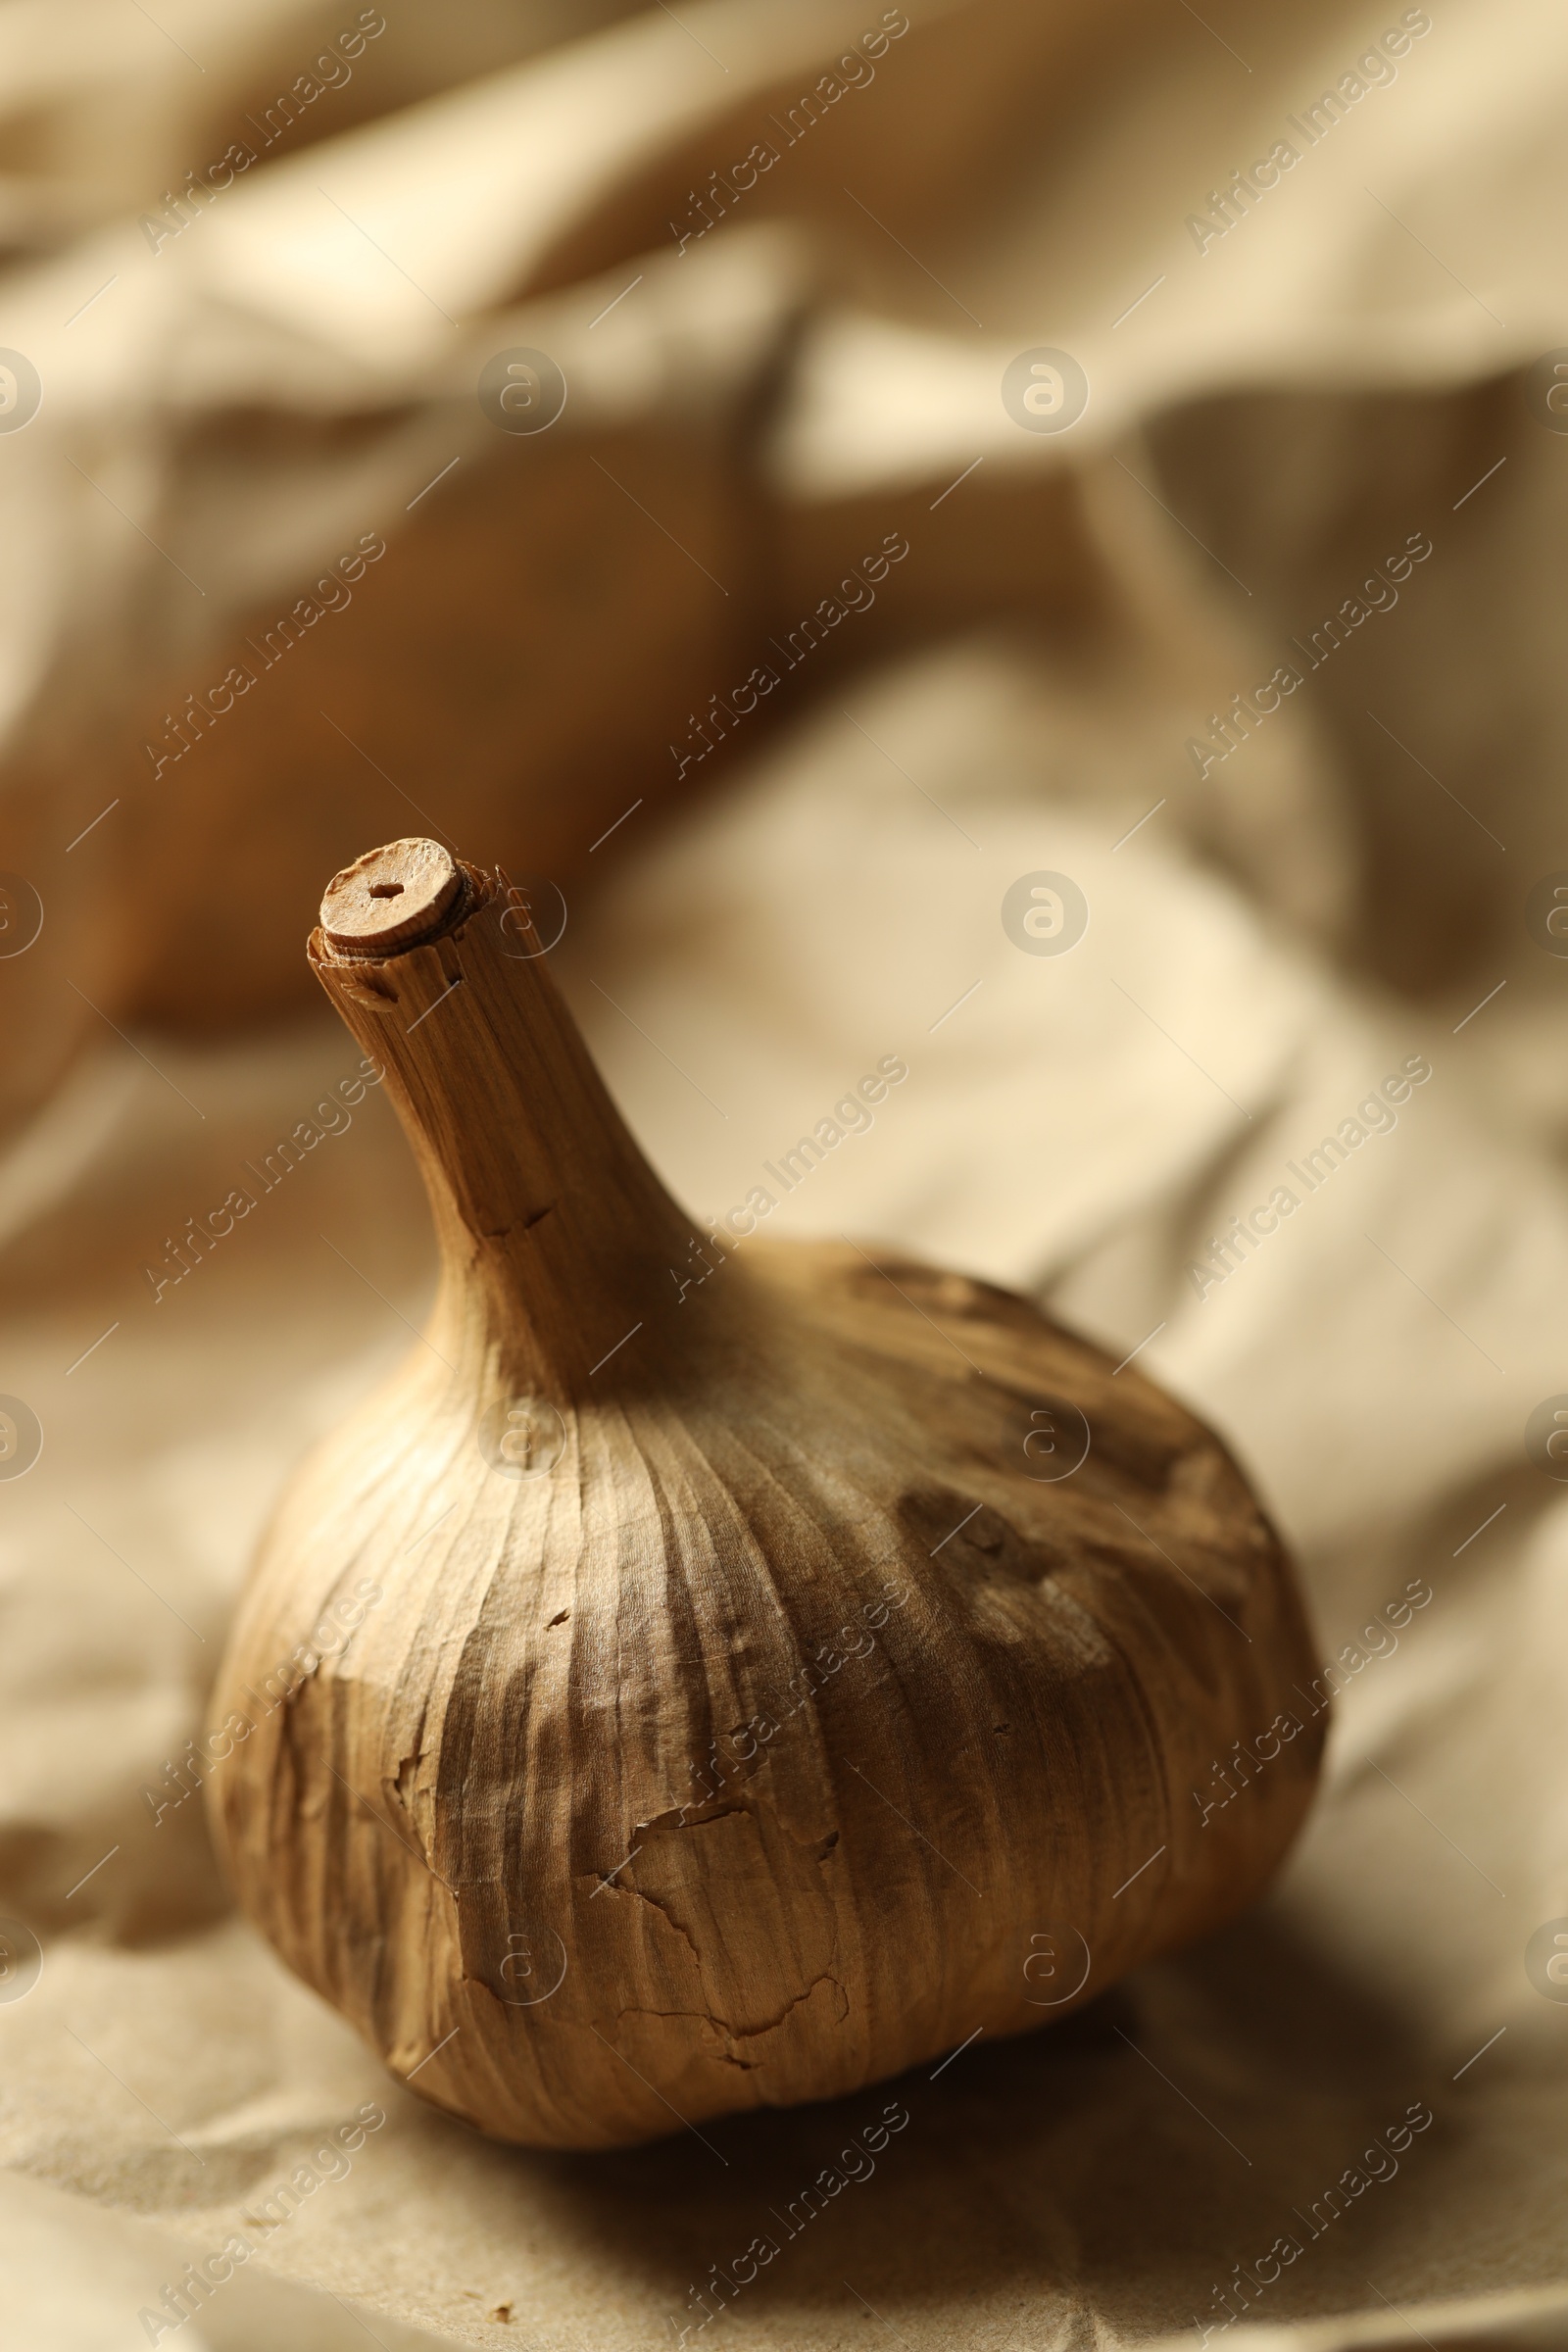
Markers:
point(1156, 418)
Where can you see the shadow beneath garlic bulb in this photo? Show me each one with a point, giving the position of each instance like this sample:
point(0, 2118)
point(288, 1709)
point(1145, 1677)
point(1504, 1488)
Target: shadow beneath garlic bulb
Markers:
point(1089, 2157)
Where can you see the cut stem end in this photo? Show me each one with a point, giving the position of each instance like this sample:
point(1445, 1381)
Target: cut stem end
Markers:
point(390, 898)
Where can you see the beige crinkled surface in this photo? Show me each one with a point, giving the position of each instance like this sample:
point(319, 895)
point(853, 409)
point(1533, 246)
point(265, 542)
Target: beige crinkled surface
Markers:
point(1342, 896)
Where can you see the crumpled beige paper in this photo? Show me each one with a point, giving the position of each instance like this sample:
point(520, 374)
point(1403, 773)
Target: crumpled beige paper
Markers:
point(1231, 2144)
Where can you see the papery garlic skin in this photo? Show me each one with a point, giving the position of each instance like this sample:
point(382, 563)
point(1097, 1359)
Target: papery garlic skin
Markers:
point(752, 1708)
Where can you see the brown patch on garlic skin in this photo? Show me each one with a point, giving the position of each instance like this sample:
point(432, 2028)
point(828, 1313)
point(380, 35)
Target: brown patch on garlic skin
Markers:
point(728, 1750)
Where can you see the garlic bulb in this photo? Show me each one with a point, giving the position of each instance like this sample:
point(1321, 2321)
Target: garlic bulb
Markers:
point(670, 1697)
